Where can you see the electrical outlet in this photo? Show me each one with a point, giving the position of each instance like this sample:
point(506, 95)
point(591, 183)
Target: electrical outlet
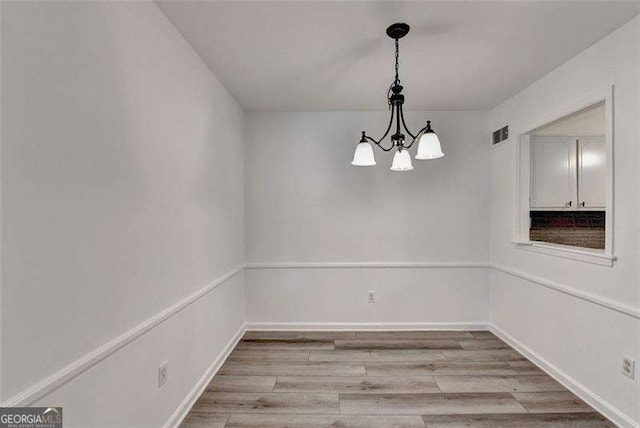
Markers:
point(371, 296)
point(163, 373)
point(628, 367)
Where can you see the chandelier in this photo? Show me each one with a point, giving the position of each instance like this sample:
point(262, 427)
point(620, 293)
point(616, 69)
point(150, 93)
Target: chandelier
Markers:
point(428, 145)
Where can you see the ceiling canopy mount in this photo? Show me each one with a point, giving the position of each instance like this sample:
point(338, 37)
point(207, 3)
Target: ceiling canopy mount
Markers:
point(398, 30)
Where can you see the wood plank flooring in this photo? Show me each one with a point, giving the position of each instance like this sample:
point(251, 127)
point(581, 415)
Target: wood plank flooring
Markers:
point(421, 379)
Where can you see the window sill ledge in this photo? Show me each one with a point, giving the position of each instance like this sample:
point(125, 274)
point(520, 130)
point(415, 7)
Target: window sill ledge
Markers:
point(597, 257)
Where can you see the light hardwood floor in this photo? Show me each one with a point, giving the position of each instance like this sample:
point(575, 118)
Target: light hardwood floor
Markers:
point(383, 380)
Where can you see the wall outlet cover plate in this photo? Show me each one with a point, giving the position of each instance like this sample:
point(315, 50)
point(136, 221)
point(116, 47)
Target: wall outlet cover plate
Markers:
point(163, 373)
point(628, 367)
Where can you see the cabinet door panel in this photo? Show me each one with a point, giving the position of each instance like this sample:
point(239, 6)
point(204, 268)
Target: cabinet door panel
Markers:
point(553, 172)
point(592, 176)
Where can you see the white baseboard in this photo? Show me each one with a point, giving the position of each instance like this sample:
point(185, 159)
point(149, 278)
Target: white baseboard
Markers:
point(382, 326)
point(183, 409)
point(368, 265)
point(591, 398)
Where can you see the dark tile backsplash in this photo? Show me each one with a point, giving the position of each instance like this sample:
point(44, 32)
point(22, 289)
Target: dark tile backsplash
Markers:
point(577, 228)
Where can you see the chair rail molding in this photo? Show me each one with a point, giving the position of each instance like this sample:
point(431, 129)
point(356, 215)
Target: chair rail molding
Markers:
point(82, 364)
point(622, 308)
point(77, 367)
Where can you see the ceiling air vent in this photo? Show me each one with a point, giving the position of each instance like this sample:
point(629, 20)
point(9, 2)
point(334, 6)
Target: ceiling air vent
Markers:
point(500, 135)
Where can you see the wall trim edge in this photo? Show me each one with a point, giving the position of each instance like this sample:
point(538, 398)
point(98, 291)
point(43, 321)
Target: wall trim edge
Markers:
point(622, 308)
point(183, 409)
point(77, 367)
point(359, 265)
point(82, 364)
point(372, 326)
point(591, 398)
point(589, 297)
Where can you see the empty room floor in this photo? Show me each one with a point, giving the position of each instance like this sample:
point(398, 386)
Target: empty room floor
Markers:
point(384, 379)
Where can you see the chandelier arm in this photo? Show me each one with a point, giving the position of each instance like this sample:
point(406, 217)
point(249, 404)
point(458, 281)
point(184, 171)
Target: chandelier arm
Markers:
point(378, 144)
point(420, 132)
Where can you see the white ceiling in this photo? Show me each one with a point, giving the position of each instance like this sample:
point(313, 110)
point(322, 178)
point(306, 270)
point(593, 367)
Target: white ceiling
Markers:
point(335, 55)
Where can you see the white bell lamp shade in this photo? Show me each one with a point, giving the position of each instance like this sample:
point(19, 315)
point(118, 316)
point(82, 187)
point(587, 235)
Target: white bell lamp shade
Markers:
point(363, 155)
point(401, 161)
point(429, 146)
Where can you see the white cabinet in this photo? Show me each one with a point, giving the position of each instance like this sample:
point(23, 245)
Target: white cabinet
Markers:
point(592, 166)
point(553, 173)
point(567, 172)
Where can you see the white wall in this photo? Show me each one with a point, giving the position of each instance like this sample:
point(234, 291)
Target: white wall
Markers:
point(122, 194)
point(122, 391)
point(584, 340)
point(307, 205)
point(591, 121)
point(335, 297)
